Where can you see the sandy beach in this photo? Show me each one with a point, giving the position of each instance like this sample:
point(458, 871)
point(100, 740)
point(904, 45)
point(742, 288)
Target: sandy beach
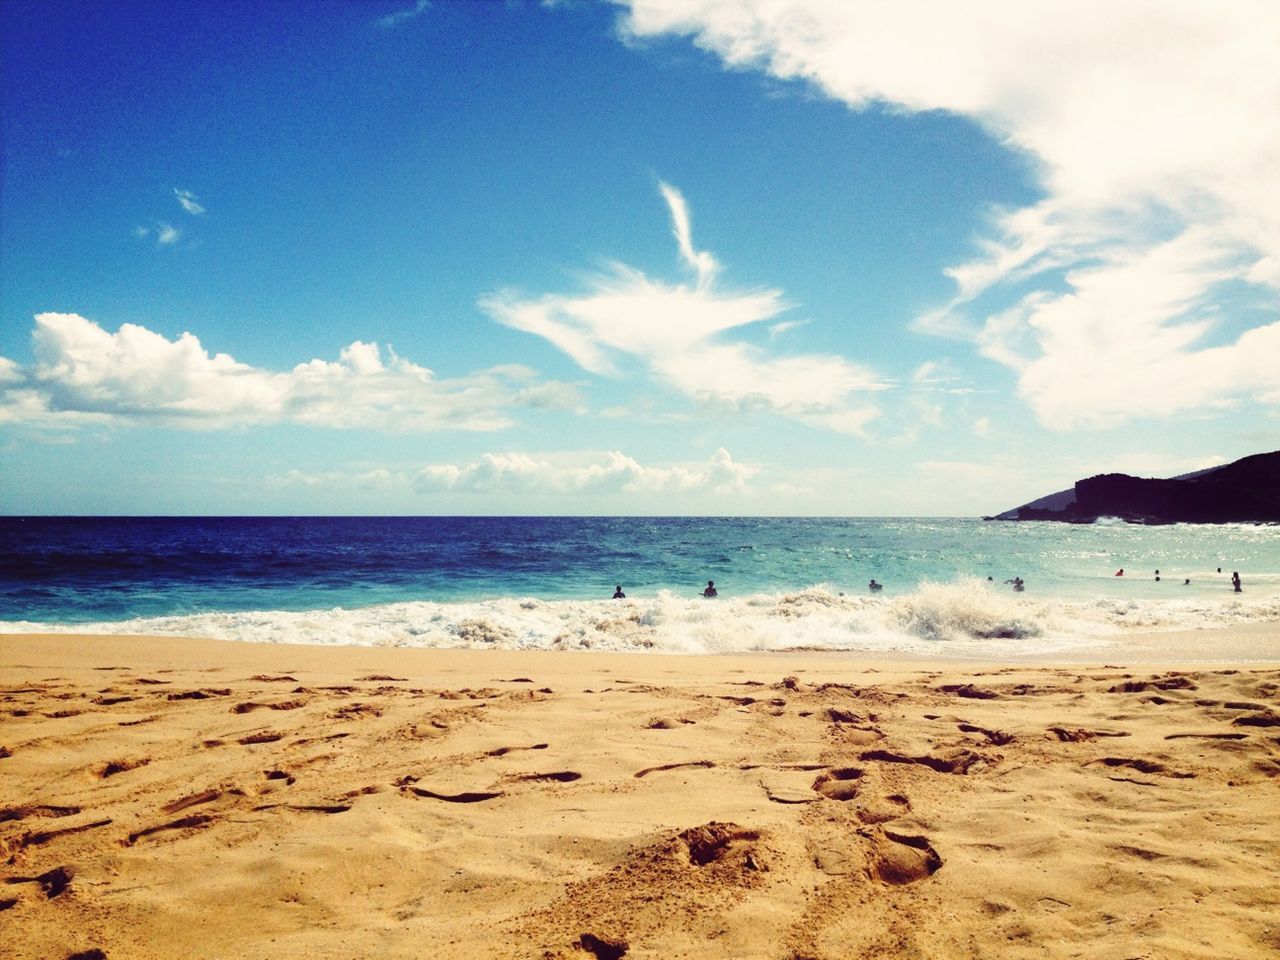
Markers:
point(196, 798)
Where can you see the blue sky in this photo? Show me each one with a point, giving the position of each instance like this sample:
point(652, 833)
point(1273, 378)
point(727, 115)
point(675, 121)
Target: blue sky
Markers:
point(665, 256)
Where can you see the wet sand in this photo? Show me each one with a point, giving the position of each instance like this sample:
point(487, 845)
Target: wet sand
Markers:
point(183, 798)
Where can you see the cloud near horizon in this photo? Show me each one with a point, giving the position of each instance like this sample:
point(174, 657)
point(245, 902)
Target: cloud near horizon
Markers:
point(614, 472)
point(677, 331)
point(85, 375)
point(561, 474)
point(1123, 292)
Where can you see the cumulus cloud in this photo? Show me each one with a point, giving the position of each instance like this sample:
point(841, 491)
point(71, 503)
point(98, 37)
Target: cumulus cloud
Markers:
point(1155, 132)
point(188, 201)
point(677, 331)
point(84, 373)
point(612, 472)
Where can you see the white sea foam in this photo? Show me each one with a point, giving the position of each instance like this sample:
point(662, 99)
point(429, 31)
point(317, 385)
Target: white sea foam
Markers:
point(963, 618)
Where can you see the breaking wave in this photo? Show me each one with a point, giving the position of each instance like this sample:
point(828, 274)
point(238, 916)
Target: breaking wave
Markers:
point(961, 618)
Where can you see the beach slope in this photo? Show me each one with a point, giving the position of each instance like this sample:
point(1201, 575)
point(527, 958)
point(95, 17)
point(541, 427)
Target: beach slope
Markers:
point(163, 798)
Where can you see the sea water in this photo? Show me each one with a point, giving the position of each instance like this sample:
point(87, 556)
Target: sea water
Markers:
point(546, 582)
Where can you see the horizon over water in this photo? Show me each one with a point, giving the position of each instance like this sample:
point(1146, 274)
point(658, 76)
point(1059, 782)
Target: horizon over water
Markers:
point(545, 582)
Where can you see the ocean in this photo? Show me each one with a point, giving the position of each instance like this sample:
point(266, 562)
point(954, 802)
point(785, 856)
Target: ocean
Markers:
point(546, 582)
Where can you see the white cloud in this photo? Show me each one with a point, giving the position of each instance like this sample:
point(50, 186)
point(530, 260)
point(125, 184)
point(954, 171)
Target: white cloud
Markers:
point(702, 262)
point(393, 20)
point(607, 473)
point(83, 374)
point(188, 201)
point(1155, 129)
point(677, 331)
point(166, 234)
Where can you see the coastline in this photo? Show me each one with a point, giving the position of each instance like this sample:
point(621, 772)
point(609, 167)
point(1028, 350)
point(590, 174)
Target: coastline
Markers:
point(167, 798)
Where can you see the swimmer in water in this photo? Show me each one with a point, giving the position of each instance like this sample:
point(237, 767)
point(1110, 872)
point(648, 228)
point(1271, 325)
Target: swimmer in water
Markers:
point(873, 586)
point(711, 589)
point(618, 594)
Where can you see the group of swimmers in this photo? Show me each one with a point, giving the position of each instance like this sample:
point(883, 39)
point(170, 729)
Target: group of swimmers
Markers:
point(1017, 582)
point(709, 592)
point(874, 586)
point(1235, 578)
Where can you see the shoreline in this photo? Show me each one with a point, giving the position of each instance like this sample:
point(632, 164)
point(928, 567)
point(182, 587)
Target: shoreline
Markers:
point(172, 798)
point(1254, 643)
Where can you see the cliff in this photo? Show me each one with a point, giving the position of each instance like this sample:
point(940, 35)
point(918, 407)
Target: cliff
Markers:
point(1247, 491)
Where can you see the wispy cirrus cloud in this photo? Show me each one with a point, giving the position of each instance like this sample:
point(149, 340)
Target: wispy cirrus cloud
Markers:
point(395, 19)
point(679, 333)
point(1155, 130)
point(188, 202)
point(84, 374)
point(165, 234)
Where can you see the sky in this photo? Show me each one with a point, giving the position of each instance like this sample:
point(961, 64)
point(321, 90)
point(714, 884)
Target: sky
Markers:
point(642, 257)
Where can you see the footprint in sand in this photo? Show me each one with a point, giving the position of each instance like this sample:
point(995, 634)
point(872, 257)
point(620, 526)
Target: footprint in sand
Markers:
point(716, 841)
point(35, 838)
point(204, 694)
point(1080, 735)
point(900, 858)
point(603, 948)
point(36, 810)
point(52, 882)
point(969, 691)
point(183, 823)
point(258, 705)
point(953, 761)
point(192, 800)
point(267, 736)
point(558, 776)
point(674, 766)
point(667, 723)
point(995, 737)
point(473, 796)
point(840, 784)
point(113, 767)
point(1143, 766)
point(306, 807)
point(503, 751)
point(356, 711)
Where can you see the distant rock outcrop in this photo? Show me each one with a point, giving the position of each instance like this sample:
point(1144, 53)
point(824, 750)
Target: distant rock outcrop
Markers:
point(1247, 491)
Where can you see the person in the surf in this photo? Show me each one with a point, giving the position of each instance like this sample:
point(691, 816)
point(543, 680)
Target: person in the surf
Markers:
point(618, 594)
point(711, 589)
point(1235, 580)
point(873, 586)
point(1018, 585)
